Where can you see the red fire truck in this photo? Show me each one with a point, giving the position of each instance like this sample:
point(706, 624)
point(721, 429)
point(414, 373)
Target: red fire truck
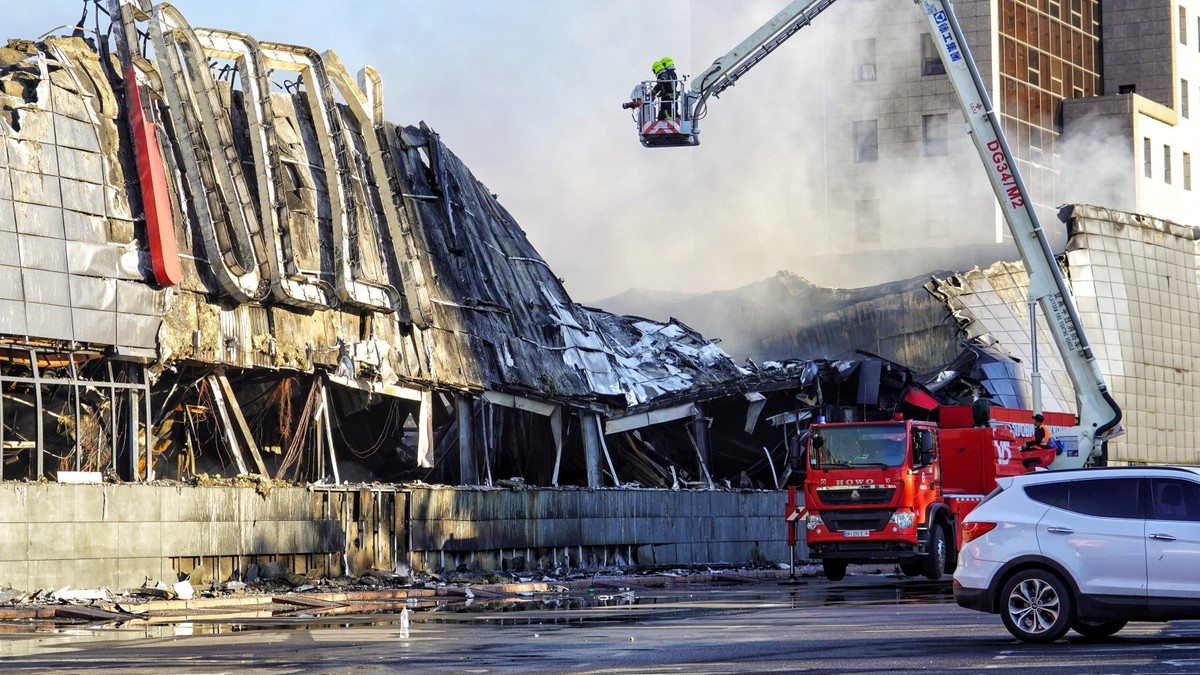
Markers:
point(896, 490)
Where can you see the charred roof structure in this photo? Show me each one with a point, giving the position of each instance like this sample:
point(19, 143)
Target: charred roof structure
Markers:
point(220, 258)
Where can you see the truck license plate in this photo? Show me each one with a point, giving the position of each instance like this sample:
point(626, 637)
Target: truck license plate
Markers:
point(856, 533)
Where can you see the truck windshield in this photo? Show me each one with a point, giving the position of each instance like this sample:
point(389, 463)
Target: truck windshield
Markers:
point(853, 447)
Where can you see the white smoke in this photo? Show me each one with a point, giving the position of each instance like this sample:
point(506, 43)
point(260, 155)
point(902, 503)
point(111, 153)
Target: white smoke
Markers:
point(1095, 162)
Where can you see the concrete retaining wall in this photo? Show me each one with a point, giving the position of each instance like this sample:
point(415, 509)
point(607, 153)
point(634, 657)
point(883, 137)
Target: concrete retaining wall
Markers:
point(491, 529)
point(88, 536)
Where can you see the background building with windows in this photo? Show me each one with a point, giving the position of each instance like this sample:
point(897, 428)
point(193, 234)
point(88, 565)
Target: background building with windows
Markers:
point(1151, 68)
point(1095, 102)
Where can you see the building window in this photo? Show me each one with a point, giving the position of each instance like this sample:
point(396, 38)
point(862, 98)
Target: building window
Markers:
point(1167, 164)
point(866, 221)
point(1146, 157)
point(1035, 144)
point(1183, 97)
point(1035, 72)
point(934, 138)
point(1182, 25)
point(864, 60)
point(866, 141)
point(1187, 171)
point(931, 62)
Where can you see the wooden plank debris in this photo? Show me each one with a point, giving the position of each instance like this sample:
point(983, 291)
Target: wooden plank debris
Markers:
point(235, 411)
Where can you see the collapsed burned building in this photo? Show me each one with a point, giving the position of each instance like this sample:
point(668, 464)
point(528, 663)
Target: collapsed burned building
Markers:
point(221, 259)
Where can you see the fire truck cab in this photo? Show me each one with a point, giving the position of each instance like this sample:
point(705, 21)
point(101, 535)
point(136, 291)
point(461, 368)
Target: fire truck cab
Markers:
point(896, 491)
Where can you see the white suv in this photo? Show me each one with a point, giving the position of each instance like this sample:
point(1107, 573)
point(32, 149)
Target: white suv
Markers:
point(1087, 549)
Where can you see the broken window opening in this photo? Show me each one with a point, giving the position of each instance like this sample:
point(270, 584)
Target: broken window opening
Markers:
point(64, 411)
point(931, 62)
point(866, 141)
point(863, 53)
point(935, 137)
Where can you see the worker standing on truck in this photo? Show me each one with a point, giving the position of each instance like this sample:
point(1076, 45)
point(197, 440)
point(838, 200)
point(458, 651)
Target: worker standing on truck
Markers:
point(981, 407)
point(664, 90)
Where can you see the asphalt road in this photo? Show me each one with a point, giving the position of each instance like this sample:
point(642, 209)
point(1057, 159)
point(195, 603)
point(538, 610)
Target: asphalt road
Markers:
point(866, 624)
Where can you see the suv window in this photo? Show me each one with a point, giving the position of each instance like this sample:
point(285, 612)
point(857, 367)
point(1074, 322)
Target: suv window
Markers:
point(1051, 494)
point(1106, 497)
point(1174, 499)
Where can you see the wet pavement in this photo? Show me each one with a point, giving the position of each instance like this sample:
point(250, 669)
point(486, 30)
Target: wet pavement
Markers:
point(867, 623)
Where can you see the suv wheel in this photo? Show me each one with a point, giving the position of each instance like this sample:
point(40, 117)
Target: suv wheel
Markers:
point(1037, 606)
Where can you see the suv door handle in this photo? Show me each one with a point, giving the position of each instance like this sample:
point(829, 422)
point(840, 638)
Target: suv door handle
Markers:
point(1060, 530)
point(1162, 537)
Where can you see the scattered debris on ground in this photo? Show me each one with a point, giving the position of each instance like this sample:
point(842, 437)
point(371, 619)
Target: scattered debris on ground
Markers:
point(275, 593)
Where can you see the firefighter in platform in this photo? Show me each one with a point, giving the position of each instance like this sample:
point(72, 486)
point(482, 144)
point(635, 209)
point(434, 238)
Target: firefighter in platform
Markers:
point(664, 90)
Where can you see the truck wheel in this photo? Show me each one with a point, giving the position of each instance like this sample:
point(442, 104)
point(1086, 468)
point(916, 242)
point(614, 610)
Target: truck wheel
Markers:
point(951, 550)
point(835, 570)
point(1037, 606)
point(933, 564)
point(913, 568)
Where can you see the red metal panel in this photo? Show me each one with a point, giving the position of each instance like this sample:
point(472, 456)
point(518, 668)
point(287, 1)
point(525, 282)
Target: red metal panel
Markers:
point(156, 200)
point(955, 417)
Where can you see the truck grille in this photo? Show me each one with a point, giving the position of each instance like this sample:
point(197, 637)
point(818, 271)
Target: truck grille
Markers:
point(866, 519)
point(840, 496)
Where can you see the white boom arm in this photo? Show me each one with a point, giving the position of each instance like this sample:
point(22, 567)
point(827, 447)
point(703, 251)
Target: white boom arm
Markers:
point(1099, 415)
point(726, 70)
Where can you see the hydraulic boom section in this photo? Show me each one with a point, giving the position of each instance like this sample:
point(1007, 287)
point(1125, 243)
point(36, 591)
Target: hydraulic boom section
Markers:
point(1099, 415)
point(668, 116)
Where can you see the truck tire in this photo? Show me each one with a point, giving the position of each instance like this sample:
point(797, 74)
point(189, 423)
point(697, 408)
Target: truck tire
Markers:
point(913, 568)
point(1036, 606)
point(835, 570)
point(951, 547)
point(933, 564)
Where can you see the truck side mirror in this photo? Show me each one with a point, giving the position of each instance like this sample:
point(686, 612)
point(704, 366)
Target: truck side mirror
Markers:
point(927, 447)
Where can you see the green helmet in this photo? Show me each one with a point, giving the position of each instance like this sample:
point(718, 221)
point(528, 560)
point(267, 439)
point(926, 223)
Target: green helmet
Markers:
point(667, 62)
point(657, 67)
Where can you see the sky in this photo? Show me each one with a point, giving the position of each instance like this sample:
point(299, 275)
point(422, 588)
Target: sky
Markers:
point(528, 94)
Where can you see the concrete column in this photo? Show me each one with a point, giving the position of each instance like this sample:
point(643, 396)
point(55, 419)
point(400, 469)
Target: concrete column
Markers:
point(464, 408)
point(703, 444)
point(589, 424)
